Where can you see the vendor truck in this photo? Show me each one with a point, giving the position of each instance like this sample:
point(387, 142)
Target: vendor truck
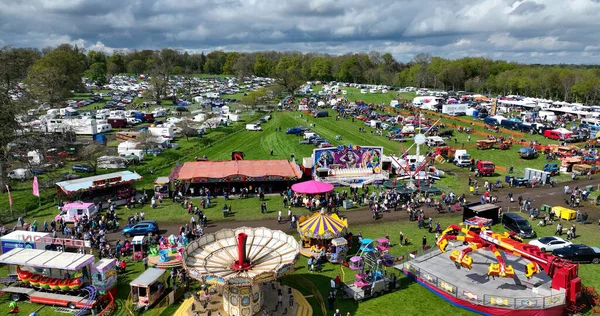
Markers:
point(486, 168)
point(461, 158)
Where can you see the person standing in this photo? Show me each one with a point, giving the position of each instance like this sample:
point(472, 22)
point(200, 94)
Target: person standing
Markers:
point(424, 241)
point(401, 238)
point(145, 261)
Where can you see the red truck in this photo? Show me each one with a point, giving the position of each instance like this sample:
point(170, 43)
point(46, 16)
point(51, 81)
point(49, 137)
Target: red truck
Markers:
point(486, 168)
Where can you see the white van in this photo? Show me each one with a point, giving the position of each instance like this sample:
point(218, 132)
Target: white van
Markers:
point(253, 127)
point(435, 141)
point(309, 135)
point(20, 174)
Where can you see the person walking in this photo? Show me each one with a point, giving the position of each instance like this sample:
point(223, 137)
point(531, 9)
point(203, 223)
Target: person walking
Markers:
point(559, 228)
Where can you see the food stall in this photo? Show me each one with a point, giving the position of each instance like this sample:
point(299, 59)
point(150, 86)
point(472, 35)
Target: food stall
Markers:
point(115, 186)
point(138, 247)
point(23, 239)
point(162, 187)
point(148, 288)
point(72, 212)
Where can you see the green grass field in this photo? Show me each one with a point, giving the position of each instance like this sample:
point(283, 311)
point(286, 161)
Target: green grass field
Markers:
point(218, 145)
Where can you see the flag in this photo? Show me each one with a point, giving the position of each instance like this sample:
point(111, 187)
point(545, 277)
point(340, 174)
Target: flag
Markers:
point(9, 197)
point(36, 187)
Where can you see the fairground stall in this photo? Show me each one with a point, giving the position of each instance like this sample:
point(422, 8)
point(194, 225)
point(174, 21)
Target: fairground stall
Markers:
point(23, 239)
point(138, 243)
point(148, 288)
point(223, 176)
point(59, 278)
point(348, 165)
point(116, 186)
point(44, 241)
point(72, 212)
point(162, 187)
point(317, 231)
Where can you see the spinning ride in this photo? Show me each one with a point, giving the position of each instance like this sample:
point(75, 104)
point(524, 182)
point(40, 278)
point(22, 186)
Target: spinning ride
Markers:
point(240, 260)
point(371, 262)
point(562, 272)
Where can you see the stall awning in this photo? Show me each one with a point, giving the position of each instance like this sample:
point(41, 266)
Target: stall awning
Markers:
point(148, 277)
point(240, 168)
point(47, 259)
point(98, 182)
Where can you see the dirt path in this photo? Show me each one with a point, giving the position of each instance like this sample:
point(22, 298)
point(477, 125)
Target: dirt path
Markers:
point(538, 196)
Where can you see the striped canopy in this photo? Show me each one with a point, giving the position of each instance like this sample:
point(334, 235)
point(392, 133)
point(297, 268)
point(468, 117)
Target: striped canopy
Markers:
point(322, 226)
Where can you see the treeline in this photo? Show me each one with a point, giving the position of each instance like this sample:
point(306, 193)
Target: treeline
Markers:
point(475, 74)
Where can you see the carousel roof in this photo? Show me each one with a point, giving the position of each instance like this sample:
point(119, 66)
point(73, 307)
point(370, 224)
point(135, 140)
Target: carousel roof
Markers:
point(271, 254)
point(323, 226)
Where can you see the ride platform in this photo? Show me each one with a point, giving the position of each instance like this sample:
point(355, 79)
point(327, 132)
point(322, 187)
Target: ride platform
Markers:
point(475, 290)
point(172, 263)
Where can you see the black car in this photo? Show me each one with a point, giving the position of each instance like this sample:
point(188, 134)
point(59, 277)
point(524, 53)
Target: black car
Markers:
point(515, 223)
point(579, 253)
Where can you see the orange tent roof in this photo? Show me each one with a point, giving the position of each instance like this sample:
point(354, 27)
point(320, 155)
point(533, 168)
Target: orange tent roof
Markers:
point(248, 168)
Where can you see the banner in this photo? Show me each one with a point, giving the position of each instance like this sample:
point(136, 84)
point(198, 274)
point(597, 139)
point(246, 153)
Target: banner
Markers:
point(36, 188)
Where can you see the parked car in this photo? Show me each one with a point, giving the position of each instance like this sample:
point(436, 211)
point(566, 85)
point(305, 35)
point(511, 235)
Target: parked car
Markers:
point(294, 130)
point(82, 168)
point(20, 174)
point(69, 176)
point(140, 228)
point(515, 223)
point(579, 253)
point(550, 243)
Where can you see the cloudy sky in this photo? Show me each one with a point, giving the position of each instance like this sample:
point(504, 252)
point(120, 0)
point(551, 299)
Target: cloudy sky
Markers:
point(539, 31)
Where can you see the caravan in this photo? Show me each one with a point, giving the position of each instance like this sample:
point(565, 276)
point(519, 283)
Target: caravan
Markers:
point(72, 212)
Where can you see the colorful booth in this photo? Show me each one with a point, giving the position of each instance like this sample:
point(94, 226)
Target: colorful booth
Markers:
point(318, 230)
point(138, 247)
point(148, 288)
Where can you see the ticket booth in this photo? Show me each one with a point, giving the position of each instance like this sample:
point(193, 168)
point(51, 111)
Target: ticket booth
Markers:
point(138, 247)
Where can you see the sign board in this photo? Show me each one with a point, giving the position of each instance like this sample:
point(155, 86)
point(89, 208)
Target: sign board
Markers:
point(454, 108)
point(65, 242)
point(10, 245)
point(107, 181)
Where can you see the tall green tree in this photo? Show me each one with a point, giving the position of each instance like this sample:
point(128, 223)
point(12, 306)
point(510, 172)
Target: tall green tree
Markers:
point(136, 66)
point(14, 63)
point(288, 74)
point(261, 66)
point(116, 64)
point(97, 73)
point(53, 77)
point(230, 60)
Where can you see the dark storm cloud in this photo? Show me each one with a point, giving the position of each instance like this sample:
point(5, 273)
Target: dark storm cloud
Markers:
point(524, 30)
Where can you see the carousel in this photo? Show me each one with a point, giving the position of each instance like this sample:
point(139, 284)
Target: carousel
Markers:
point(239, 261)
point(318, 230)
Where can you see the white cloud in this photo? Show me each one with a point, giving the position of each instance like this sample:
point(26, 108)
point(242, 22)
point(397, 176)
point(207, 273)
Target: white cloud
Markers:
point(520, 30)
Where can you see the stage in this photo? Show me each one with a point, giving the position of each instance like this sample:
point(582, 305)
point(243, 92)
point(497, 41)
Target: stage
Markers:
point(475, 291)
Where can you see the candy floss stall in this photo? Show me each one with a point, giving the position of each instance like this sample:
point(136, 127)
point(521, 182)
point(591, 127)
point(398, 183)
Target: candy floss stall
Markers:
point(59, 278)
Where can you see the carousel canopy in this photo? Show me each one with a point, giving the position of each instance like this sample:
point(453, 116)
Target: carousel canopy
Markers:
point(323, 226)
point(312, 187)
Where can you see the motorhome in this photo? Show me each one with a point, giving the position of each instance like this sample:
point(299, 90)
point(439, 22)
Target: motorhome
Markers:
point(85, 126)
point(547, 116)
point(166, 132)
point(594, 124)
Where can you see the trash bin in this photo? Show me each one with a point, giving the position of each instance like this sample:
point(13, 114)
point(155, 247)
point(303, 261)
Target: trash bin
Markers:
point(546, 208)
point(347, 204)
